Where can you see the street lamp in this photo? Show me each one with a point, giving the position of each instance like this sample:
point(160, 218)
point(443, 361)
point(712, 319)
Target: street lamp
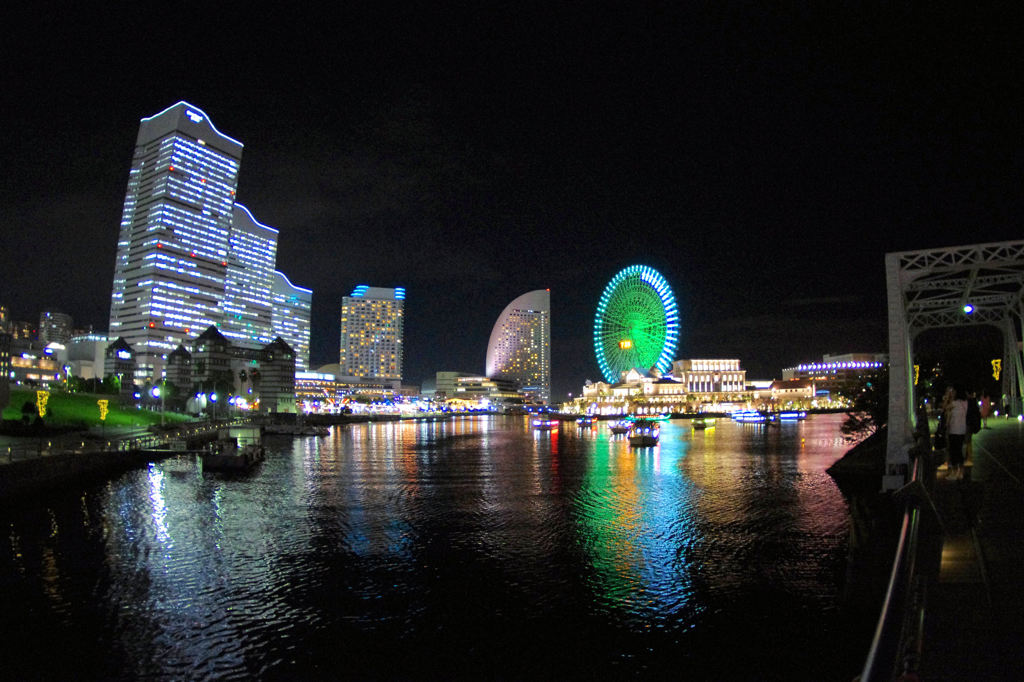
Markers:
point(158, 393)
point(213, 413)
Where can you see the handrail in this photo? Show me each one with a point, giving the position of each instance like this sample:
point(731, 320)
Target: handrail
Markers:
point(895, 648)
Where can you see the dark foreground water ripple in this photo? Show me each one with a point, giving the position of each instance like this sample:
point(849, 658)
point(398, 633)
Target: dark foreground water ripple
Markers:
point(463, 549)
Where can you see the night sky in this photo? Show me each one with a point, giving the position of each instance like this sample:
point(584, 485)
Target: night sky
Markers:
point(763, 160)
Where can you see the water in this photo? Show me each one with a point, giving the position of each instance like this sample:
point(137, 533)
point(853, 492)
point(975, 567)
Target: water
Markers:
point(472, 548)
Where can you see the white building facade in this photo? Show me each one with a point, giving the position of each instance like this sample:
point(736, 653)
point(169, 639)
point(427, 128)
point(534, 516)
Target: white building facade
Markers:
point(519, 349)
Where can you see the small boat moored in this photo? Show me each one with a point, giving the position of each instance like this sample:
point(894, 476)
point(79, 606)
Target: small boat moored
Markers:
point(620, 427)
point(545, 424)
point(236, 453)
point(644, 433)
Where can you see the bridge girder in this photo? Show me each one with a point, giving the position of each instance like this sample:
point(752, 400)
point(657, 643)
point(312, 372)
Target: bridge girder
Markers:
point(928, 289)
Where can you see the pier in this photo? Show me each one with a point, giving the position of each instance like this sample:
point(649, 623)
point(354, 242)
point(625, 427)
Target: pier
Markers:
point(30, 465)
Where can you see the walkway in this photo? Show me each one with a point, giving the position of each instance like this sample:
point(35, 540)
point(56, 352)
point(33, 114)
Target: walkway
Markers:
point(974, 608)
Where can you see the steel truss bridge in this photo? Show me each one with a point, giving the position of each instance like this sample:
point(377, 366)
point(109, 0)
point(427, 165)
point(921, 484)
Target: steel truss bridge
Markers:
point(951, 287)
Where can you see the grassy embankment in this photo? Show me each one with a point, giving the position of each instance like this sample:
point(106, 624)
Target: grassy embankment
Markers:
point(81, 411)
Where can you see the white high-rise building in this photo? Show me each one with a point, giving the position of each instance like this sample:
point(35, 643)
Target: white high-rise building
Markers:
point(291, 317)
point(248, 306)
point(520, 345)
point(371, 333)
point(175, 238)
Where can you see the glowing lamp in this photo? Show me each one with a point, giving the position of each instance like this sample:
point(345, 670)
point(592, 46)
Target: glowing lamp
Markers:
point(968, 309)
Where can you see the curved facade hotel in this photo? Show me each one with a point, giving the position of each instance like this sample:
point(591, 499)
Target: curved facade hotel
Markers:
point(520, 345)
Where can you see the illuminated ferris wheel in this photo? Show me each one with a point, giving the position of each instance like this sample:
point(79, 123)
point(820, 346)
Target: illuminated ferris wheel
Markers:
point(637, 323)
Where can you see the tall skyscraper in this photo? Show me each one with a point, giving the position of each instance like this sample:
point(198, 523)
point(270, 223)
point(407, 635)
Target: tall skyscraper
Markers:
point(248, 308)
point(371, 333)
point(175, 238)
point(520, 345)
point(291, 317)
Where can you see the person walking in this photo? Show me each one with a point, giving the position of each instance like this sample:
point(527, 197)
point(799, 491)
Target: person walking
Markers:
point(956, 429)
point(986, 409)
point(973, 425)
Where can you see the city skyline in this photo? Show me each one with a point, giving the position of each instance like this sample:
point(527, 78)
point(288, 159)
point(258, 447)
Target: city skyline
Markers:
point(762, 161)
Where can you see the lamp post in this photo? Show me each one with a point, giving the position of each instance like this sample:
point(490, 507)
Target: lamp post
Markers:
point(158, 392)
point(213, 411)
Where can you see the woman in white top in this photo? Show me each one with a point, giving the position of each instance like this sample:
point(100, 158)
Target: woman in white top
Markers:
point(956, 421)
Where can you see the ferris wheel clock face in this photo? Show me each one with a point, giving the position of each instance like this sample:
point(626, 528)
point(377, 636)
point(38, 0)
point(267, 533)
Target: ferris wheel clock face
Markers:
point(637, 323)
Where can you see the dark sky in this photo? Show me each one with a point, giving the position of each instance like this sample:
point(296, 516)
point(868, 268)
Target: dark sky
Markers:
point(763, 160)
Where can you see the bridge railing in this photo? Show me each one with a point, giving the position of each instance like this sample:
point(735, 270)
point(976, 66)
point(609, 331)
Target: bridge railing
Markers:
point(896, 647)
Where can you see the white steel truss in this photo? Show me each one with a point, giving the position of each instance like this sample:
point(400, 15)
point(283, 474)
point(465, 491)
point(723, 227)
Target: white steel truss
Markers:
point(951, 287)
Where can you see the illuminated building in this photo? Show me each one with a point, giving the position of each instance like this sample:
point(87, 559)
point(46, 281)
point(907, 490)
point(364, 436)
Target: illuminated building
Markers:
point(247, 302)
point(371, 334)
point(836, 374)
point(87, 355)
point(174, 242)
point(693, 386)
point(520, 345)
point(710, 376)
point(291, 317)
point(54, 326)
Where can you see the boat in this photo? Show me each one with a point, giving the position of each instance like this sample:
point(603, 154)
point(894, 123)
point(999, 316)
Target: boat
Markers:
point(644, 433)
point(586, 420)
point(621, 426)
point(701, 423)
point(230, 455)
point(544, 424)
point(792, 415)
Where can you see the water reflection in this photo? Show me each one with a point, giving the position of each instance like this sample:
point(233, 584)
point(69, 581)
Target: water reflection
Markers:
point(470, 546)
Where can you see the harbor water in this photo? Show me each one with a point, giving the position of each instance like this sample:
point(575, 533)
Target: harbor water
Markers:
point(468, 548)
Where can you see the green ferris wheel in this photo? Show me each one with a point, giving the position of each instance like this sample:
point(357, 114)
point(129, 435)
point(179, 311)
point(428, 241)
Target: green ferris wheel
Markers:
point(637, 323)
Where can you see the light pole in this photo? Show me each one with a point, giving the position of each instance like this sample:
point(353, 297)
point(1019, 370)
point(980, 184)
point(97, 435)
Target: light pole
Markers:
point(213, 412)
point(158, 392)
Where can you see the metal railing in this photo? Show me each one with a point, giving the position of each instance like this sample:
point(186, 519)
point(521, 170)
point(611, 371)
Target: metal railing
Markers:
point(896, 647)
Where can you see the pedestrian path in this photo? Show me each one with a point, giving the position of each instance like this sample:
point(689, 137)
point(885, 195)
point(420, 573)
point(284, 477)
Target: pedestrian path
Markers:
point(974, 610)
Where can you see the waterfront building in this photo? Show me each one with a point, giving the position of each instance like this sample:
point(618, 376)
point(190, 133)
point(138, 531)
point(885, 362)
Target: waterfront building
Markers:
point(5, 319)
point(710, 376)
point(519, 349)
point(317, 391)
point(291, 317)
point(372, 322)
point(834, 375)
point(247, 304)
point(55, 326)
point(475, 388)
point(264, 378)
point(174, 242)
point(692, 386)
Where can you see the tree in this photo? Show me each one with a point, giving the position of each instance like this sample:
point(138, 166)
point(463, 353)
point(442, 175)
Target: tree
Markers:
point(28, 409)
point(869, 408)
